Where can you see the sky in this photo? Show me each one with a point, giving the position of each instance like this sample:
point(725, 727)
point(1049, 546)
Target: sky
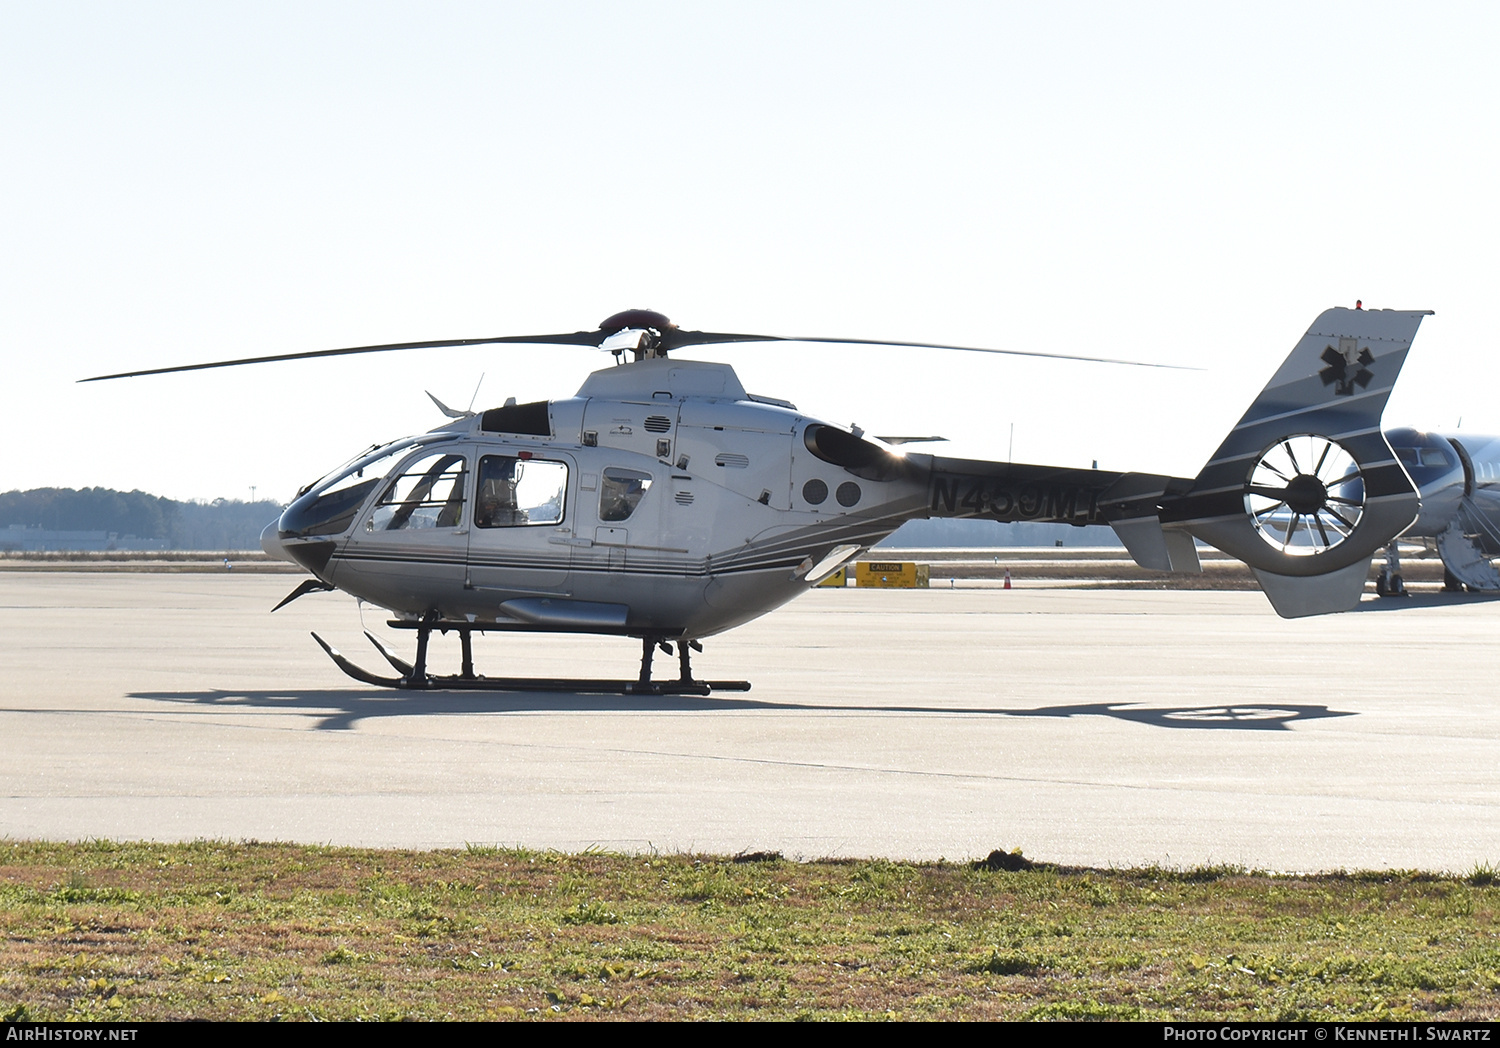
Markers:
point(1187, 183)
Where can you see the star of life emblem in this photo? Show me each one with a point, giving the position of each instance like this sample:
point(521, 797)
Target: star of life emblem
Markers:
point(1348, 367)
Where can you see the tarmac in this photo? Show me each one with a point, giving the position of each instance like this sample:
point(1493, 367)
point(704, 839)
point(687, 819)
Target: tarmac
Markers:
point(1086, 727)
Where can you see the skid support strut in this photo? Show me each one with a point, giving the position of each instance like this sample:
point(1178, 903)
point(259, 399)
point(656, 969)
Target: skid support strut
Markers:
point(684, 685)
point(648, 649)
point(466, 641)
point(418, 678)
point(684, 648)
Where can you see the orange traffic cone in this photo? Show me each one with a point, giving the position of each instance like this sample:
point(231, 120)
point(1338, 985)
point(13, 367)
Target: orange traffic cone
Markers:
point(1007, 578)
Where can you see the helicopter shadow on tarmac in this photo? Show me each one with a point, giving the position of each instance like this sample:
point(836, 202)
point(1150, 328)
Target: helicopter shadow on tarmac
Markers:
point(341, 710)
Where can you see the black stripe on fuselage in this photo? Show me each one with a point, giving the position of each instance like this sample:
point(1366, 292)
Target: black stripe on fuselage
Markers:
point(783, 563)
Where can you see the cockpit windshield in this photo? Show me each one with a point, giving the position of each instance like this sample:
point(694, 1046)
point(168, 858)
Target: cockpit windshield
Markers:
point(1420, 457)
point(329, 505)
point(1427, 457)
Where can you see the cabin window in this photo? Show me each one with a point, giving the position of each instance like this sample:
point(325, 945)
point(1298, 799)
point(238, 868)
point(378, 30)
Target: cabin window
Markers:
point(519, 492)
point(427, 493)
point(621, 492)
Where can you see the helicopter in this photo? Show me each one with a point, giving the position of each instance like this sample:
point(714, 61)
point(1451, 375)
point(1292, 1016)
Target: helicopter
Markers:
point(665, 503)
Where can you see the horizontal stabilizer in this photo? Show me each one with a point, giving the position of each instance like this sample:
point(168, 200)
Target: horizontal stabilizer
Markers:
point(1156, 549)
point(1131, 505)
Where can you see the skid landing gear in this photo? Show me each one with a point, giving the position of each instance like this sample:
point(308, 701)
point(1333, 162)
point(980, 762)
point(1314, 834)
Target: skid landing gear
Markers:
point(414, 675)
point(684, 684)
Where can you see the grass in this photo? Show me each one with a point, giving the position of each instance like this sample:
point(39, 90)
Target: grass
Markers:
point(211, 930)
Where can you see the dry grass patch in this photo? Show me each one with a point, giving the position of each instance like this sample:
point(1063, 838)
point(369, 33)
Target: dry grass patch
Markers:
point(263, 931)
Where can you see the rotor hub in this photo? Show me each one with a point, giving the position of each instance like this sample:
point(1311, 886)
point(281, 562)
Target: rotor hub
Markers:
point(1305, 493)
point(636, 318)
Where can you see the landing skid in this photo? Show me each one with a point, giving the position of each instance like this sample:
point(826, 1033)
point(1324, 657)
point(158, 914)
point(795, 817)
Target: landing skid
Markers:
point(415, 676)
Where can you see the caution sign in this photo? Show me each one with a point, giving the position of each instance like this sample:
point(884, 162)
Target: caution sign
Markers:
point(891, 574)
point(838, 579)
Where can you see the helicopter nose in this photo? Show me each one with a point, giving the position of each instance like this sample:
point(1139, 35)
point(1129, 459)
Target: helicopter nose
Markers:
point(271, 542)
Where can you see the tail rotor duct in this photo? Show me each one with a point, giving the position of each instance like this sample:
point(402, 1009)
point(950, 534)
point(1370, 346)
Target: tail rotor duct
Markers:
point(1305, 495)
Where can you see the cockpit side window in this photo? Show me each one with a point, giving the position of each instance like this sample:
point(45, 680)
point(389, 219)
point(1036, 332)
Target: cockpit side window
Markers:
point(520, 492)
point(621, 492)
point(427, 493)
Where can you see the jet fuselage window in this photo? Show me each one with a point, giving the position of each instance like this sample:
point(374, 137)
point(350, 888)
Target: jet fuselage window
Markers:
point(516, 492)
point(1429, 457)
point(621, 492)
point(428, 493)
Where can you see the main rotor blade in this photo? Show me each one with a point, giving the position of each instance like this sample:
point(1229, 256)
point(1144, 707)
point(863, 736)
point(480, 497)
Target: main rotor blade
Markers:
point(670, 339)
point(676, 339)
point(577, 338)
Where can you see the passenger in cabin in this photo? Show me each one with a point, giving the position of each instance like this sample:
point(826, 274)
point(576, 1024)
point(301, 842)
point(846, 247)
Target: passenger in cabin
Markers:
point(496, 507)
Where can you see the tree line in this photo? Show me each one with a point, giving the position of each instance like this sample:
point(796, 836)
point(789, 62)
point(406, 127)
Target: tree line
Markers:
point(218, 525)
point(225, 524)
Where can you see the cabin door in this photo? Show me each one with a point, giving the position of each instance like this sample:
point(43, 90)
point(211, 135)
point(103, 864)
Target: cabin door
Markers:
point(521, 539)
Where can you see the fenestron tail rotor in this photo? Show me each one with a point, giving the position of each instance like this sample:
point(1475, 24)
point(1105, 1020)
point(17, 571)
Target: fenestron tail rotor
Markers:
point(643, 333)
point(1305, 495)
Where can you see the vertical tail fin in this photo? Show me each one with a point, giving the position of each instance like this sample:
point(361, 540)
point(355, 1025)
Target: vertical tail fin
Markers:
point(1305, 488)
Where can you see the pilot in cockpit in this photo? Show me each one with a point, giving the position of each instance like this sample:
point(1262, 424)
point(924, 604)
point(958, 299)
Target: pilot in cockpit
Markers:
point(496, 507)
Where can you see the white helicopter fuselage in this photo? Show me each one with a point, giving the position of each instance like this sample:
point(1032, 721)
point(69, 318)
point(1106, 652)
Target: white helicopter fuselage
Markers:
point(662, 499)
point(666, 503)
